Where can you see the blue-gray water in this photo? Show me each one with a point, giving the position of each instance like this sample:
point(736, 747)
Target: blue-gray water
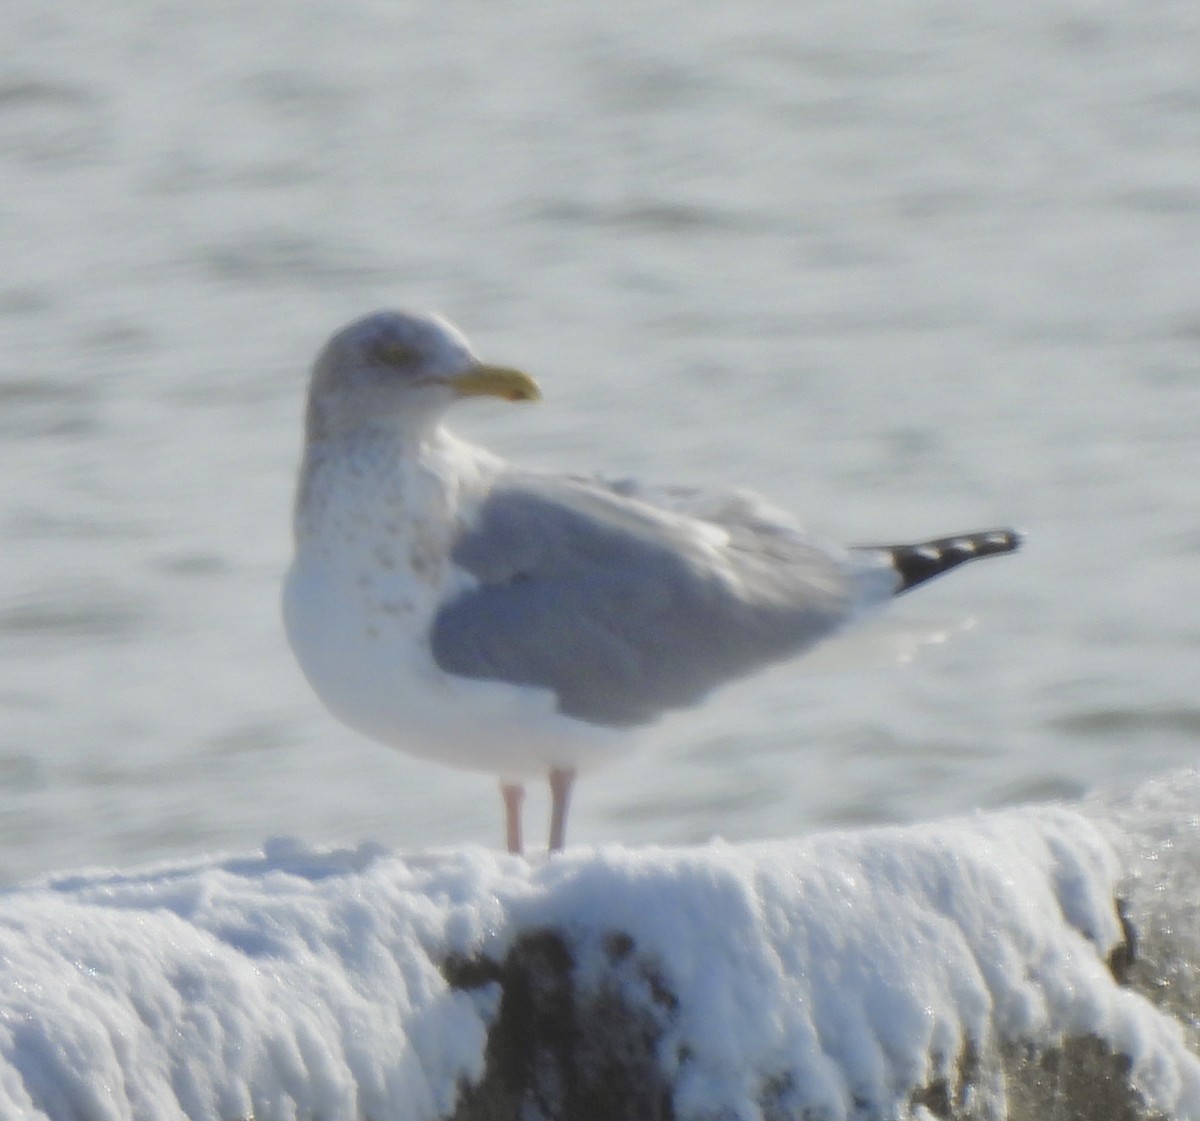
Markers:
point(904, 268)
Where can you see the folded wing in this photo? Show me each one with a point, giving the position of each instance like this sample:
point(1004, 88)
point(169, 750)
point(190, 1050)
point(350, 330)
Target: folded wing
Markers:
point(626, 609)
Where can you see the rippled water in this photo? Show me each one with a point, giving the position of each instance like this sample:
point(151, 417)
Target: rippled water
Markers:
point(907, 269)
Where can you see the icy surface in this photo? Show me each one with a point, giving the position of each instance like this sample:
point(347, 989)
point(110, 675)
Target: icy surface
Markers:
point(850, 967)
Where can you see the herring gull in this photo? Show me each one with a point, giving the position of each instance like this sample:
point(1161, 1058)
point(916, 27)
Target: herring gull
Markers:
point(521, 623)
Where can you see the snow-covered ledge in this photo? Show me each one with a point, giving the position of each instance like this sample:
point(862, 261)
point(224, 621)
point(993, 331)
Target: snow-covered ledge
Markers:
point(973, 968)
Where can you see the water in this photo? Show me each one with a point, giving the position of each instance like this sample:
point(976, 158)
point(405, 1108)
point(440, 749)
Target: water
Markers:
point(906, 269)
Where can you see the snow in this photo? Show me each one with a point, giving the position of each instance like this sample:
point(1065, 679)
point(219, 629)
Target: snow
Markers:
point(848, 968)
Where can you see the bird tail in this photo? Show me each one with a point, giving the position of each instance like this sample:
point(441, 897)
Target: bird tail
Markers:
point(923, 561)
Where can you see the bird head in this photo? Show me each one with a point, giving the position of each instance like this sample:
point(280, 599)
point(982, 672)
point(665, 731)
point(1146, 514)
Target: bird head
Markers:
point(393, 369)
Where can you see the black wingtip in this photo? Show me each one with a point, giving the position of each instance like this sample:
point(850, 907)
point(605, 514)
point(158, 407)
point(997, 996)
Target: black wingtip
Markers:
point(923, 561)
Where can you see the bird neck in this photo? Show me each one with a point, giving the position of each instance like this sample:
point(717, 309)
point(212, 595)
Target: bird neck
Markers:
point(375, 485)
point(351, 480)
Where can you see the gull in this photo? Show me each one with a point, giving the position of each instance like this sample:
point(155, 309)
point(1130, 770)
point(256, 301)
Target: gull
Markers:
point(523, 623)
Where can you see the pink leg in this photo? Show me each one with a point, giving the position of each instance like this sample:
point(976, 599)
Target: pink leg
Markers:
point(560, 795)
point(514, 795)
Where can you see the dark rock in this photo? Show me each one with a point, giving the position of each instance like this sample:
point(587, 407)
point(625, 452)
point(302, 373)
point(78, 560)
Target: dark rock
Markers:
point(1123, 955)
point(1080, 1080)
point(555, 1051)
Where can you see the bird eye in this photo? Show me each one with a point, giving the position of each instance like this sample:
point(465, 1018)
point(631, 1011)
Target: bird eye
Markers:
point(397, 354)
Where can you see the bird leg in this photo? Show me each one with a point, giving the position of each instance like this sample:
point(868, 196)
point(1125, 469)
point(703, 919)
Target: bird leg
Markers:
point(560, 795)
point(514, 795)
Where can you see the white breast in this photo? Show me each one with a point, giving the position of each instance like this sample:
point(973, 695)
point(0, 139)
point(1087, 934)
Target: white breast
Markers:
point(372, 566)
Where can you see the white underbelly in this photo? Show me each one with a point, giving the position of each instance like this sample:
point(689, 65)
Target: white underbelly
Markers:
point(364, 652)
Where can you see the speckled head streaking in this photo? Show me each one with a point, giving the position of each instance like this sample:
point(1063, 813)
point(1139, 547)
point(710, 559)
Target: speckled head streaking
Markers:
point(392, 369)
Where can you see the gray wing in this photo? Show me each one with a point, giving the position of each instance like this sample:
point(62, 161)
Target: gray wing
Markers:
point(624, 609)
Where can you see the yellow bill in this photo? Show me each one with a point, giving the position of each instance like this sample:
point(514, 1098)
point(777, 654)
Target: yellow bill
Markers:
point(496, 381)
